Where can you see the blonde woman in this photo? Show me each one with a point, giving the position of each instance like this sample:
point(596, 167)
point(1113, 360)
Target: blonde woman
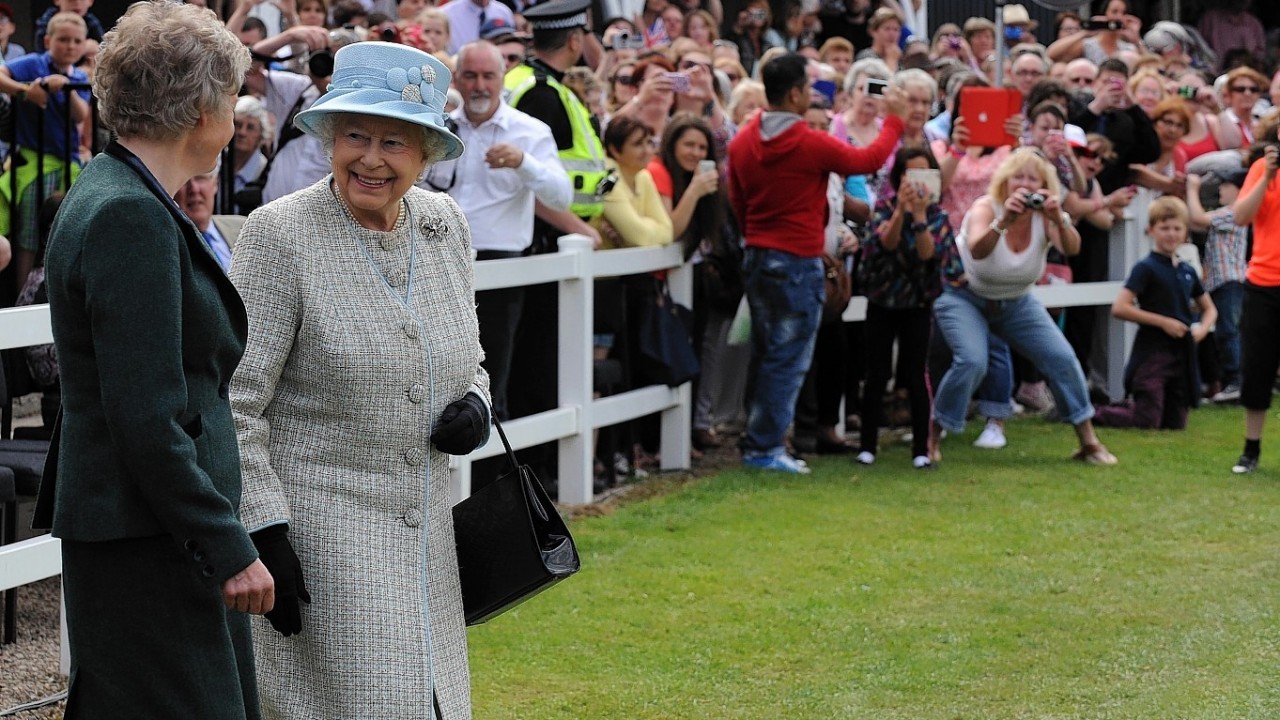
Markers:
point(1003, 242)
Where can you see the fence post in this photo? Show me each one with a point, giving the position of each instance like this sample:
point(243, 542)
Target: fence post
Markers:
point(577, 297)
point(677, 421)
point(1126, 248)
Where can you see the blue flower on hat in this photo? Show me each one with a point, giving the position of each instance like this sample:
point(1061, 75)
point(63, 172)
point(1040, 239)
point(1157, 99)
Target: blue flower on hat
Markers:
point(413, 83)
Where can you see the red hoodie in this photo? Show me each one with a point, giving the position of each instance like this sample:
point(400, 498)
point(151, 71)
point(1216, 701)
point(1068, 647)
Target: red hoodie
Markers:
point(778, 187)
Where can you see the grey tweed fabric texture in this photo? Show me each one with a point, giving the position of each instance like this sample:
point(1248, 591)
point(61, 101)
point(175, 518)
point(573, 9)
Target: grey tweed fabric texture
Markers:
point(334, 402)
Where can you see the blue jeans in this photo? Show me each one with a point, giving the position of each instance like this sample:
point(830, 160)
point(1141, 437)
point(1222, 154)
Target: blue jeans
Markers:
point(995, 394)
point(1229, 299)
point(785, 293)
point(964, 319)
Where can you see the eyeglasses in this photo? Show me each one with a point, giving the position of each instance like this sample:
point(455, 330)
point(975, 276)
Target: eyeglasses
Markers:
point(1084, 152)
point(1172, 122)
point(1251, 89)
point(691, 64)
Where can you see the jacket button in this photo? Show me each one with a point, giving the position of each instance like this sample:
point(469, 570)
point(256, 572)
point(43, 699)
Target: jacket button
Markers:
point(417, 392)
point(411, 330)
point(413, 456)
point(413, 517)
point(189, 545)
point(224, 390)
point(207, 571)
point(198, 556)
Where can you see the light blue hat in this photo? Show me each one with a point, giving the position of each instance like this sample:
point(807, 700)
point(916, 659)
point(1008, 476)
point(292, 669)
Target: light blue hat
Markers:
point(387, 80)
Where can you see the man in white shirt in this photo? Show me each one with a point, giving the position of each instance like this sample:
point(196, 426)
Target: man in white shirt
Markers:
point(466, 17)
point(511, 159)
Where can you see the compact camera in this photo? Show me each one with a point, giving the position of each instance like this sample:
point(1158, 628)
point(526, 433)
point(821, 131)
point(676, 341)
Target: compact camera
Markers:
point(1035, 200)
point(626, 41)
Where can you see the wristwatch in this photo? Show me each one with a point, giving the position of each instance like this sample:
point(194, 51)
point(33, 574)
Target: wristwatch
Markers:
point(917, 227)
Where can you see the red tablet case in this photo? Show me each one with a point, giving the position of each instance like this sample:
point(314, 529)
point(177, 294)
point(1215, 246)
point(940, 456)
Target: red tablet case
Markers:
point(984, 110)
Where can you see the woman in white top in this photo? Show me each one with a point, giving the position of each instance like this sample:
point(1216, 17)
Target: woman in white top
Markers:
point(1003, 242)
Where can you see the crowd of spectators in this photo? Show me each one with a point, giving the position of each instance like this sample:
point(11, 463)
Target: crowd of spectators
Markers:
point(624, 136)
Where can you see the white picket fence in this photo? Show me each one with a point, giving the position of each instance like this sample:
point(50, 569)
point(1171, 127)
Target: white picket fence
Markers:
point(571, 424)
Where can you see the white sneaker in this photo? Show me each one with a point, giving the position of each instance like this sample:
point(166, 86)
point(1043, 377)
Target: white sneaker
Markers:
point(992, 437)
point(865, 458)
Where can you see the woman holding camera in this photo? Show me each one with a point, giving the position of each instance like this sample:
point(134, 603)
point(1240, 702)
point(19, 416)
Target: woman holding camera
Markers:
point(900, 275)
point(1003, 242)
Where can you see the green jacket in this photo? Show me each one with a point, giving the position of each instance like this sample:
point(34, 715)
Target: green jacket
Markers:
point(148, 330)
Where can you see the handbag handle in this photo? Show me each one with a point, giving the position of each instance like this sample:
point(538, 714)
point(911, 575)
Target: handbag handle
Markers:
point(511, 454)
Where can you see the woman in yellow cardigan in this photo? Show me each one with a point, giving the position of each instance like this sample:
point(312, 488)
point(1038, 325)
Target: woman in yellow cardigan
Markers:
point(633, 209)
point(634, 216)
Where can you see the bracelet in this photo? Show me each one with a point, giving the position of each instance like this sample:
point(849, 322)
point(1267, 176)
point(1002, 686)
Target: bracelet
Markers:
point(995, 227)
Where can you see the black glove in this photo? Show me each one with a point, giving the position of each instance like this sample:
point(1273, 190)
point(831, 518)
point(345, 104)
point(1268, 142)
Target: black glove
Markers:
point(463, 426)
point(276, 552)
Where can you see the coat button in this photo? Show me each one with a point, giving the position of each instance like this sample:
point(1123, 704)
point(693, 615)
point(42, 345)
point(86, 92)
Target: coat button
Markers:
point(413, 456)
point(207, 571)
point(224, 390)
point(413, 517)
point(417, 392)
point(189, 545)
point(411, 330)
point(198, 556)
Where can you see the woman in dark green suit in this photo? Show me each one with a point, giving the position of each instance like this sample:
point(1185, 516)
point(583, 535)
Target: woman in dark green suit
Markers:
point(143, 482)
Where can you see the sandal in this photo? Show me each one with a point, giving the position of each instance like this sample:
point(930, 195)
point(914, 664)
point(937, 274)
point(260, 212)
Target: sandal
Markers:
point(1094, 454)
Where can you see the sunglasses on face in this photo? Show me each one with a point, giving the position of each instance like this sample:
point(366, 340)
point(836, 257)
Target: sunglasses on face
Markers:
point(1084, 152)
point(1251, 89)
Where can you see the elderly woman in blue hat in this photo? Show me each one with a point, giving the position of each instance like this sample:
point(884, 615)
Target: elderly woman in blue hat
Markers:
point(361, 374)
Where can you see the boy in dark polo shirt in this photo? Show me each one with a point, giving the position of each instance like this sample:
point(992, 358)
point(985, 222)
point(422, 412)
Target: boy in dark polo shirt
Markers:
point(1161, 378)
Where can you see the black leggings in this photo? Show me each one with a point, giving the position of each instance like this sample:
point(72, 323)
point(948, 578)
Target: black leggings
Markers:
point(910, 327)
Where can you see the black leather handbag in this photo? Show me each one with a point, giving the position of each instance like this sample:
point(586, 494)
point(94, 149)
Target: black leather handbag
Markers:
point(666, 346)
point(512, 544)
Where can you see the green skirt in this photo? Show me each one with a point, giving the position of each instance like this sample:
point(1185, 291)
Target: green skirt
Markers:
point(149, 640)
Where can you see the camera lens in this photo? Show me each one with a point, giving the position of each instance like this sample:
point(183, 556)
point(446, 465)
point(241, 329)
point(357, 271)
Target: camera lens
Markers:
point(320, 64)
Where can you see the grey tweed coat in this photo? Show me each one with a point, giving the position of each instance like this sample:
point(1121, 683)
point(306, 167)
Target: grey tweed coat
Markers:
point(334, 401)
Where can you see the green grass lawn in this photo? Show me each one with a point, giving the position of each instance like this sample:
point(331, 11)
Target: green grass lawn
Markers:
point(1005, 584)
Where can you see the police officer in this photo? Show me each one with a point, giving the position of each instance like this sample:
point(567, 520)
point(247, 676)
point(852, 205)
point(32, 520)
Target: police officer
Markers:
point(560, 37)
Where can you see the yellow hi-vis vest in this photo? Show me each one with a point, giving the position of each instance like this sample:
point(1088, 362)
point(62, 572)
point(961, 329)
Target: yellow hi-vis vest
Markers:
point(584, 160)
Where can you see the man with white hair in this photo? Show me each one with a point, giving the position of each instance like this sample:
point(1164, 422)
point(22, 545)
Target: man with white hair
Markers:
point(511, 160)
point(1028, 68)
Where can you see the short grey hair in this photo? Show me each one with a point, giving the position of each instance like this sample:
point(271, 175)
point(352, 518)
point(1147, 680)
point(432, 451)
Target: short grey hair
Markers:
point(251, 106)
point(871, 67)
point(160, 51)
point(434, 147)
point(917, 78)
